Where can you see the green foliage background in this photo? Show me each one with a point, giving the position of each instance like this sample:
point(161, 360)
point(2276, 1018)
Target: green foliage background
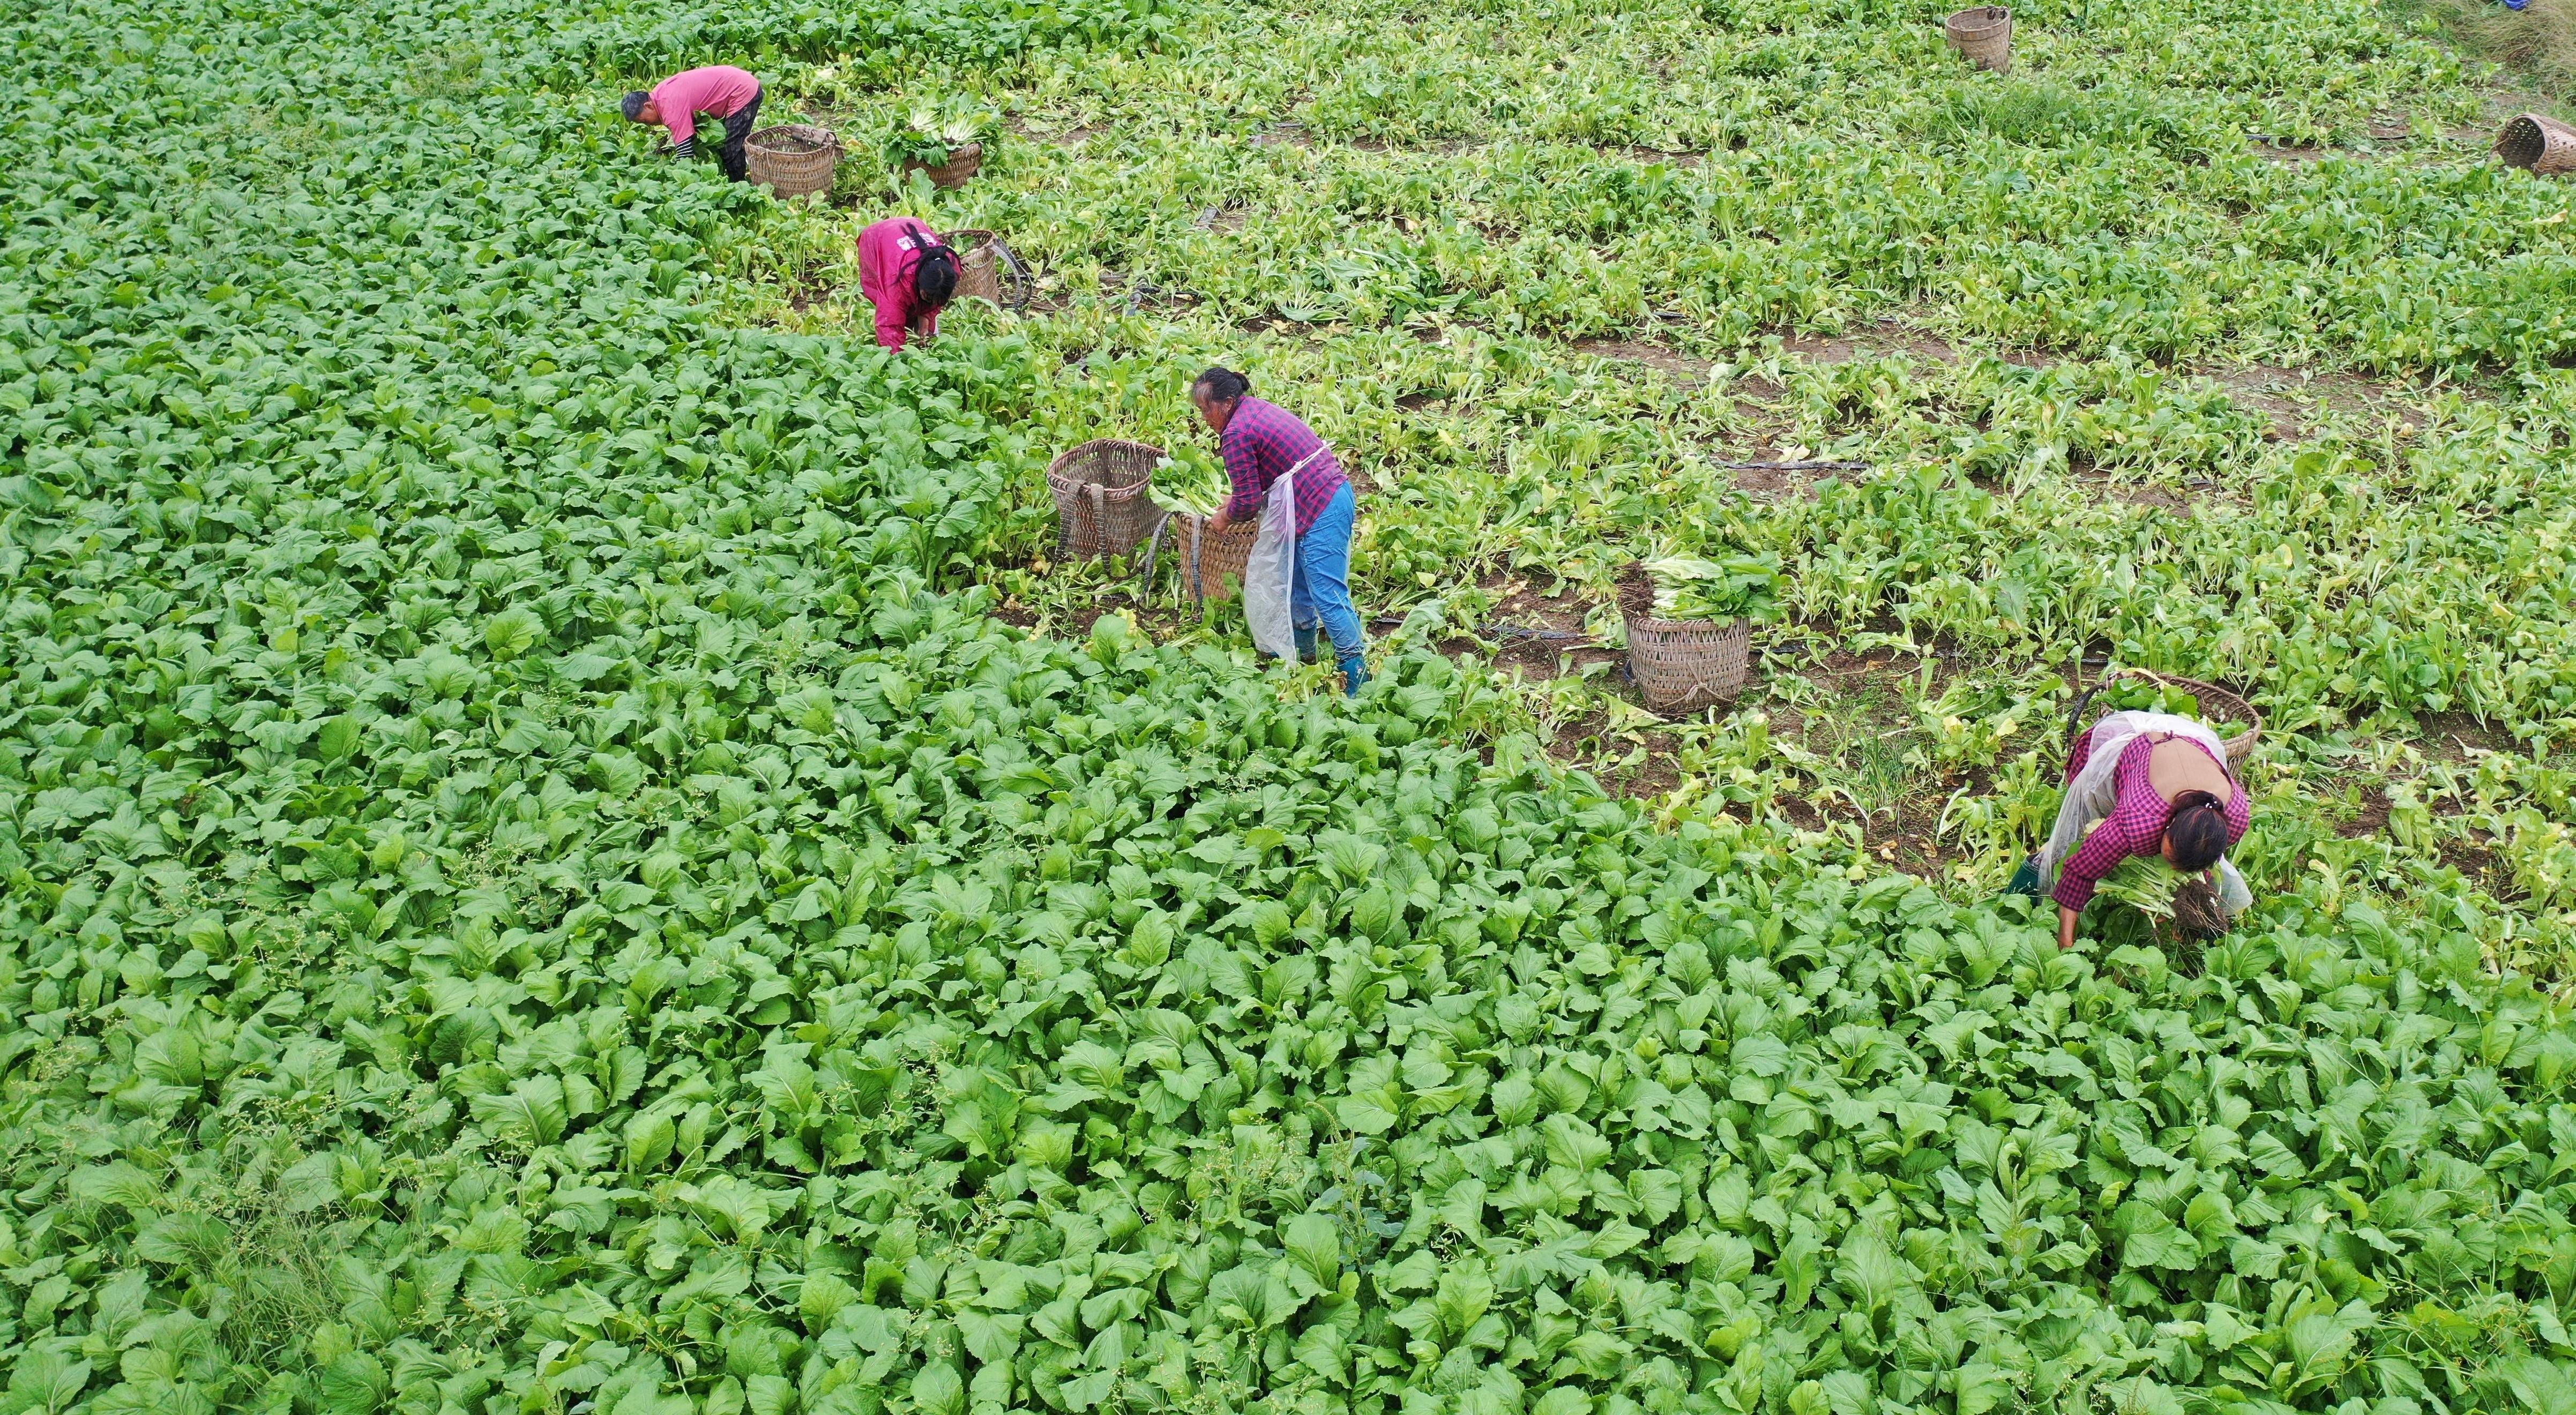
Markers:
point(530, 887)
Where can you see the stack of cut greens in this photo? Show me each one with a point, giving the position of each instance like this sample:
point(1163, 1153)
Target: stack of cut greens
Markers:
point(1190, 480)
point(1691, 587)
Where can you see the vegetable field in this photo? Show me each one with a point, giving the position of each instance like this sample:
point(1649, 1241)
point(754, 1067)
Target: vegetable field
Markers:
point(565, 848)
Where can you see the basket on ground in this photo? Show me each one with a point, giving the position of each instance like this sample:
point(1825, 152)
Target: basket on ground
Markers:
point(1680, 663)
point(962, 163)
point(1101, 504)
point(1212, 566)
point(1983, 34)
point(988, 270)
point(792, 158)
point(2538, 142)
point(2224, 712)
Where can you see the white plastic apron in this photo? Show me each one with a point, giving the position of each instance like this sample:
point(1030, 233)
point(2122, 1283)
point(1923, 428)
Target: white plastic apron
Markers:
point(1270, 575)
point(2093, 795)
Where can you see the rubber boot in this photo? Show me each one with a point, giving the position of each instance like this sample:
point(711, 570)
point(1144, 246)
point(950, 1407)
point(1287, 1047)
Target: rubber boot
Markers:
point(1354, 673)
point(1306, 645)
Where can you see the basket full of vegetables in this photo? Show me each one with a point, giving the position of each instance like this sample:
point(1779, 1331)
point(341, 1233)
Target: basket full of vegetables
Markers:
point(944, 144)
point(1101, 501)
point(2138, 690)
point(1690, 624)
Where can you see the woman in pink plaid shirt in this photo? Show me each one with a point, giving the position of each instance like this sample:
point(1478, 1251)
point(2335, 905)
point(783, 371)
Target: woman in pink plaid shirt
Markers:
point(1261, 442)
point(2166, 792)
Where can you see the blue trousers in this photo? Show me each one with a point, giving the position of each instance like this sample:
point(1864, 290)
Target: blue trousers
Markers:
point(1321, 591)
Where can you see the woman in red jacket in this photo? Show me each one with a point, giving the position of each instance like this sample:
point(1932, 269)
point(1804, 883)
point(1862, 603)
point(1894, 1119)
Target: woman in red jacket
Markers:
point(909, 274)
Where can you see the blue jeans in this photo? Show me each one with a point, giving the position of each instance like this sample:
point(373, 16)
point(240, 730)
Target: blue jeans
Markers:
point(1321, 590)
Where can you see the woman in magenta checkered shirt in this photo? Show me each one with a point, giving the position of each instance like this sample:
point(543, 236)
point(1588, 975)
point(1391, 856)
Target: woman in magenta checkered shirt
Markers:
point(2172, 798)
point(1261, 442)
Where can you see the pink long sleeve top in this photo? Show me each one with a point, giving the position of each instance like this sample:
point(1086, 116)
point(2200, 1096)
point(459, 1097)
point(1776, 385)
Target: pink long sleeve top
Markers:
point(718, 90)
point(889, 253)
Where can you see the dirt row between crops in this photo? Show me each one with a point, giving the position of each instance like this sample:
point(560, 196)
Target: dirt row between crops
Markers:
point(2294, 401)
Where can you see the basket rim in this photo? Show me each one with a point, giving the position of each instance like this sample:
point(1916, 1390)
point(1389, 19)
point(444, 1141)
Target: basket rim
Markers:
point(2526, 139)
point(963, 152)
point(2247, 717)
point(803, 132)
point(1119, 443)
point(1235, 531)
point(1713, 628)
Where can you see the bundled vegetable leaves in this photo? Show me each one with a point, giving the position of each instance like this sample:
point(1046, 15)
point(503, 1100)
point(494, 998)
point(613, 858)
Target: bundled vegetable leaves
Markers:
point(2145, 884)
point(2169, 898)
point(1190, 480)
point(1691, 587)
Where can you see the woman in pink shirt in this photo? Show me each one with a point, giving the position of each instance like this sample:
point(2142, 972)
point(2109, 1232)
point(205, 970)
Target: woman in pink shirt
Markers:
point(909, 274)
point(2158, 786)
point(719, 91)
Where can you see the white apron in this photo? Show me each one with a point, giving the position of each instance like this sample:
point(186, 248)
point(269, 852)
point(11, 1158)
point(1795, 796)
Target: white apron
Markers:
point(2093, 795)
point(1270, 574)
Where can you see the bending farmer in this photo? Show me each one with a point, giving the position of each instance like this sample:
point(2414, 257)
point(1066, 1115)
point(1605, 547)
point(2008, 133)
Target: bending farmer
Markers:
point(718, 91)
point(2159, 785)
point(909, 274)
point(1261, 442)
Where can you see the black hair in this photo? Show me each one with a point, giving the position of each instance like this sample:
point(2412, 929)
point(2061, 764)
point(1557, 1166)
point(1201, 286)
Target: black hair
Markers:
point(1222, 385)
point(633, 105)
point(934, 277)
point(2197, 831)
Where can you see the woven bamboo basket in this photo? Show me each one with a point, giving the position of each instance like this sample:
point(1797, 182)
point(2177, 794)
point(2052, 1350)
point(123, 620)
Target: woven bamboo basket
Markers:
point(1101, 504)
point(962, 163)
point(2221, 709)
point(2537, 142)
point(1982, 33)
point(1212, 565)
point(792, 158)
point(1681, 664)
point(988, 270)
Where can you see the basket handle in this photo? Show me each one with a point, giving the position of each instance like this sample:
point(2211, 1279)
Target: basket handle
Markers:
point(2075, 714)
point(1196, 595)
point(1022, 284)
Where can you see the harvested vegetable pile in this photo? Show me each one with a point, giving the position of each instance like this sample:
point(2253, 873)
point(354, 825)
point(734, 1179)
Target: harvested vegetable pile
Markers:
point(1691, 587)
point(1190, 480)
point(2142, 695)
point(517, 895)
point(1695, 588)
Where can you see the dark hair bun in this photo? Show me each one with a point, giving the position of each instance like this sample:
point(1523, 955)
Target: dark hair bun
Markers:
point(1223, 384)
point(2197, 831)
